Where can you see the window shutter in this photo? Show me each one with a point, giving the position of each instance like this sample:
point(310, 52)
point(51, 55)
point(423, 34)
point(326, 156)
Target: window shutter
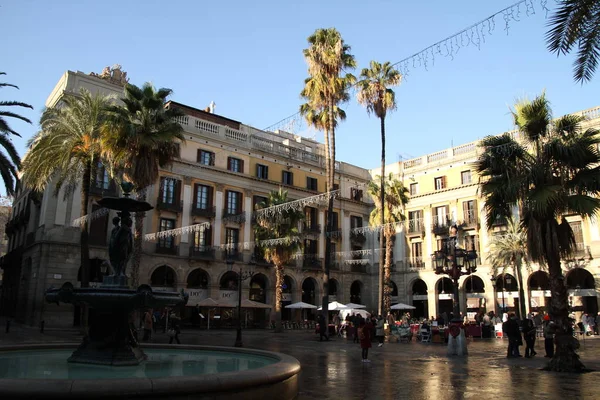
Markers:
point(177, 191)
point(474, 208)
point(208, 236)
point(229, 163)
point(444, 182)
point(291, 178)
point(266, 172)
point(195, 199)
point(226, 201)
point(198, 155)
point(242, 166)
point(258, 170)
point(465, 210)
point(210, 196)
point(239, 202)
point(448, 217)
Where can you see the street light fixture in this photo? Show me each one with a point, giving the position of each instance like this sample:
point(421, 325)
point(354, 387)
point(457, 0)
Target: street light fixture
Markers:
point(242, 276)
point(454, 262)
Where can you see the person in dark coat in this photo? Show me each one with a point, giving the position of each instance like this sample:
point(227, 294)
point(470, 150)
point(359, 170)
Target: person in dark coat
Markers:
point(322, 328)
point(364, 335)
point(175, 324)
point(529, 332)
point(511, 329)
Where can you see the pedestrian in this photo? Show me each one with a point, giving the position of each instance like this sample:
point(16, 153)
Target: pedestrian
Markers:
point(147, 325)
point(364, 335)
point(336, 322)
point(379, 331)
point(322, 328)
point(511, 329)
point(529, 335)
point(548, 336)
point(174, 328)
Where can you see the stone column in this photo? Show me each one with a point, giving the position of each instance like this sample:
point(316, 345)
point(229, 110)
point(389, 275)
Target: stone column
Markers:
point(219, 215)
point(432, 302)
point(428, 224)
point(187, 206)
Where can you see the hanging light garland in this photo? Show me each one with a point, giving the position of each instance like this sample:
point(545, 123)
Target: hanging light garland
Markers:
point(177, 231)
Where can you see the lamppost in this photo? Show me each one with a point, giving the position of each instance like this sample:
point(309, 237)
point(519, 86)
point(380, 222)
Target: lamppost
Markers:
point(454, 262)
point(242, 276)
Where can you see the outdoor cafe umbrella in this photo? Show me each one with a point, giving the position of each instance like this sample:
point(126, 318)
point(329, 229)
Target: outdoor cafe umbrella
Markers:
point(300, 305)
point(334, 305)
point(354, 305)
point(402, 306)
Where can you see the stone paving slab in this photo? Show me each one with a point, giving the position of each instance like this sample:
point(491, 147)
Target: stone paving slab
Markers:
point(333, 369)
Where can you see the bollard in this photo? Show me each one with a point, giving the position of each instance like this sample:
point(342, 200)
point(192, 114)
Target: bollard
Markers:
point(42, 326)
point(7, 325)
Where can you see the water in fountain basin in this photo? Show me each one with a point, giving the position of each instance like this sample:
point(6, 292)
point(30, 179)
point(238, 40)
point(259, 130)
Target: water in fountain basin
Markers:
point(161, 363)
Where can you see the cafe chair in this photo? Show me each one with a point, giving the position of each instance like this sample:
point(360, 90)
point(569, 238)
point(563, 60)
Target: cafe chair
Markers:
point(425, 335)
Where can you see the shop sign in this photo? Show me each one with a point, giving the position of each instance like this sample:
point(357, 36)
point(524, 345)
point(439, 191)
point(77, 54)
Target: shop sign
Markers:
point(195, 296)
point(445, 296)
point(419, 297)
point(228, 294)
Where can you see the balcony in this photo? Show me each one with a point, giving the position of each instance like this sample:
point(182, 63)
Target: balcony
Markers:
point(206, 212)
point(416, 226)
point(237, 217)
point(335, 234)
point(415, 264)
point(167, 248)
point(312, 263)
point(441, 225)
point(232, 255)
point(471, 221)
point(357, 238)
point(580, 252)
point(174, 206)
point(202, 253)
point(98, 189)
point(314, 229)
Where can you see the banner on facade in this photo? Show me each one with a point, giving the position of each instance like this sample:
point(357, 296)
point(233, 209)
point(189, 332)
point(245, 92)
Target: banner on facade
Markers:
point(582, 292)
point(228, 295)
point(445, 296)
point(540, 293)
point(475, 295)
point(195, 296)
point(508, 295)
point(419, 297)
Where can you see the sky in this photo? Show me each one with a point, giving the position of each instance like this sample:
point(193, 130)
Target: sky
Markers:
point(246, 56)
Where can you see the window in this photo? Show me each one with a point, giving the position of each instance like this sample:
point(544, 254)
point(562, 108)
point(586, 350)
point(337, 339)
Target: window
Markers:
point(101, 177)
point(235, 164)
point(472, 243)
point(167, 190)
point(310, 248)
point(465, 177)
point(203, 199)
point(355, 222)
point(578, 234)
point(415, 221)
point(416, 250)
point(440, 183)
point(334, 225)
point(311, 183)
point(440, 217)
point(310, 217)
point(206, 157)
point(470, 211)
point(356, 194)
point(287, 178)
point(166, 225)
point(262, 171)
point(336, 186)
point(414, 189)
point(232, 237)
point(202, 240)
point(233, 203)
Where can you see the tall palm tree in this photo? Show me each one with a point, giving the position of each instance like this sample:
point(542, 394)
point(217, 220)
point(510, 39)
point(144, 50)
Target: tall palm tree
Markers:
point(283, 226)
point(396, 198)
point(9, 165)
point(64, 152)
point(552, 171)
point(510, 249)
point(140, 137)
point(328, 57)
point(375, 94)
point(575, 25)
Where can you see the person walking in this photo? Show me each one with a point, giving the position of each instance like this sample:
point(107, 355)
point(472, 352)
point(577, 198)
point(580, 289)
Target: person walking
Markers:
point(322, 328)
point(548, 336)
point(364, 335)
point(511, 329)
point(175, 328)
point(379, 330)
point(529, 331)
point(147, 325)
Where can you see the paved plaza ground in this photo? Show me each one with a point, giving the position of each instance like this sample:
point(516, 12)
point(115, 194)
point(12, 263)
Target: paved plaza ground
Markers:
point(333, 370)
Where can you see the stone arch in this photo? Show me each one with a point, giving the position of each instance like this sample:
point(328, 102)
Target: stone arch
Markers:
point(258, 288)
point(334, 288)
point(198, 278)
point(418, 297)
point(310, 291)
point(582, 291)
point(444, 290)
point(506, 302)
point(474, 289)
point(163, 276)
point(229, 281)
point(580, 278)
point(539, 280)
point(539, 291)
point(356, 289)
point(288, 292)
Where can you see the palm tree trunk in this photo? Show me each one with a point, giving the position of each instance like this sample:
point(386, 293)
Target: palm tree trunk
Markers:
point(137, 244)
point(565, 358)
point(278, 295)
point(85, 245)
point(387, 276)
point(522, 311)
point(330, 170)
point(380, 299)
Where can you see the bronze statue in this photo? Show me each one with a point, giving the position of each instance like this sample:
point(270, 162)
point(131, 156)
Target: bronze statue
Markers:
point(121, 244)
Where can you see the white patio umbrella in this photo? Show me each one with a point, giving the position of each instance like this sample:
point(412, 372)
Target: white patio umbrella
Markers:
point(300, 305)
point(402, 306)
point(355, 311)
point(334, 305)
point(354, 305)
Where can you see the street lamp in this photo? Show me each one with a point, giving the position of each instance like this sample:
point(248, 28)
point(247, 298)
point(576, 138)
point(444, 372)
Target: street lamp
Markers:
point(454, 262)
point(242, 276)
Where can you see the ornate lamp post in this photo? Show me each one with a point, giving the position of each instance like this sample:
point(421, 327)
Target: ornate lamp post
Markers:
point(505, 281)
point(242, 276)
point(454, 262)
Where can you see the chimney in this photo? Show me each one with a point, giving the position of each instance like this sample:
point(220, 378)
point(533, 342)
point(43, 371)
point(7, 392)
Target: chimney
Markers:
point(212, 107)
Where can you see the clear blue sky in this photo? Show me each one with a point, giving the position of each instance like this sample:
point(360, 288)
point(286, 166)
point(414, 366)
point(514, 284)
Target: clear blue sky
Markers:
point(247, 57)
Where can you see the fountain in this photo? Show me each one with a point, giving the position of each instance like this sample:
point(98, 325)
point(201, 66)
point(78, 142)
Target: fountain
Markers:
point(110, 353)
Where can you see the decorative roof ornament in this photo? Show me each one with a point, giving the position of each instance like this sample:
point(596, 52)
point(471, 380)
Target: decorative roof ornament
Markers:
point(114, 74)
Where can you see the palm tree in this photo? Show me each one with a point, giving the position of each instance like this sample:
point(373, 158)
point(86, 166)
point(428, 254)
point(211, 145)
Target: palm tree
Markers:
point(510, 249)
point(375, 94)
point(575, 25)
point(9, 165)
point(552, 171)
point(327, 57)
point(140, 137)
point(65, 150)
point(283, 226)
point(396, 198)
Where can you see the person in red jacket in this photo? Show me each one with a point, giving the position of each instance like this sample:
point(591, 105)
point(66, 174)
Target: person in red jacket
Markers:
point(364, 335)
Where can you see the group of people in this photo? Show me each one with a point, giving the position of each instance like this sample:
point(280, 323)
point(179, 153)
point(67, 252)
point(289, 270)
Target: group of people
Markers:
point(527, 330)
point(151, 321)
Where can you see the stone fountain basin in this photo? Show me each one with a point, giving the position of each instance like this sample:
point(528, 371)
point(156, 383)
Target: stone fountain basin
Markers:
point(275, 381)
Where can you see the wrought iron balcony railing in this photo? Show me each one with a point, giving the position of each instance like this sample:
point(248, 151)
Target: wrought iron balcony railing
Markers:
point(202, 253)
point(175, 205)
point(167, 248)
point(208, 212)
